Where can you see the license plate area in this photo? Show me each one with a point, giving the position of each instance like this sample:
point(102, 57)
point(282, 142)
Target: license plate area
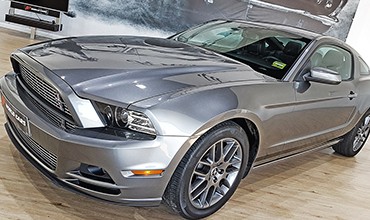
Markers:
point(17, 117)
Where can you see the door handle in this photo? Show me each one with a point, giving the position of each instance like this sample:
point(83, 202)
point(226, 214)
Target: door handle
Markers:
point(352, 95)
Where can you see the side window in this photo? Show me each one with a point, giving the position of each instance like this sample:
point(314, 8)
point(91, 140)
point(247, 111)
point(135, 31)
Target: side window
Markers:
point(333, 58)
point(364, 68)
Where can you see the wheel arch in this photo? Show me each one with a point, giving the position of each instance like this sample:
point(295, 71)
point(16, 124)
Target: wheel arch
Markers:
point(253, 137)
point(249, 122)
point(180, 173)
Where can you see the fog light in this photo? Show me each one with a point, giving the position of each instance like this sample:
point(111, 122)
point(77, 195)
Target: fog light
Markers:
point(95, 173)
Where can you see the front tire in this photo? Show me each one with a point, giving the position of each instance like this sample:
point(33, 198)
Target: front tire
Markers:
point(354, 140)
point(210, 172)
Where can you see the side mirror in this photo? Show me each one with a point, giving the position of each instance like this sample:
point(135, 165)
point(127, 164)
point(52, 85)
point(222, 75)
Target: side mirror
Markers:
point(323, 75)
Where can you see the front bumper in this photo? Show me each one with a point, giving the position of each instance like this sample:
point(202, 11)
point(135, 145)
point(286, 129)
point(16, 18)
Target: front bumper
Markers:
point(92, 166)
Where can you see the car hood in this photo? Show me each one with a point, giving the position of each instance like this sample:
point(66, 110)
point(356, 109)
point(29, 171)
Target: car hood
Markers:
point(130, 69)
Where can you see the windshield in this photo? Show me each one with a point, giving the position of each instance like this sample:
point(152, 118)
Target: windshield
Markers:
point(268, 51)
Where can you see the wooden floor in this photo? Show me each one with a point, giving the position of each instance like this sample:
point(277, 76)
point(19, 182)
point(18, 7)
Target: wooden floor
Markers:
point(320, 185)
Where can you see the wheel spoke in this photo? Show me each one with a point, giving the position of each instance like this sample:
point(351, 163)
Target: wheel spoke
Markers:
point(198, 184)
point(365, 131)
point(367, 122)
point(211, 195)
point(213, 154)
point(224, 186)
point(233, 163)
point(219, 151)
point(232, 169)
point(203, 199)
point(205, 163)
point(222, 151)
point(226, 183)
point(200, 174)
point(197, 188)
point(231, 151)
point(220, 191)
point(365, 128)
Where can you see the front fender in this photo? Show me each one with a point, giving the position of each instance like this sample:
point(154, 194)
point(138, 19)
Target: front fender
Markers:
point(191, 113)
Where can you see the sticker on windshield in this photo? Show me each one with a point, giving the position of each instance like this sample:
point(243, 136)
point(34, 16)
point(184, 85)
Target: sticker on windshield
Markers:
point(279, 65)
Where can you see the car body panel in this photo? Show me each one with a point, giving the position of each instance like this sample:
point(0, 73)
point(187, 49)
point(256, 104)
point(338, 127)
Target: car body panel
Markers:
point(312, 119)
point(142, 67)
point(183, 90)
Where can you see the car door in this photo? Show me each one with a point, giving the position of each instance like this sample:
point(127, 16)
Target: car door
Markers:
point(321, 109)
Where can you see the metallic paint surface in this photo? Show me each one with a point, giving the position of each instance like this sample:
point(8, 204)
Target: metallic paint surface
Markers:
point(185, 91)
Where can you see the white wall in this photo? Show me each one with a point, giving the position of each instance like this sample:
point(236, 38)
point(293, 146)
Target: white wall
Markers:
point(359, 33)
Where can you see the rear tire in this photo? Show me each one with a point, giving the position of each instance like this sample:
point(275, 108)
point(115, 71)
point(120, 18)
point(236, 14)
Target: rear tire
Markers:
point(209, 173)
point(354, 140)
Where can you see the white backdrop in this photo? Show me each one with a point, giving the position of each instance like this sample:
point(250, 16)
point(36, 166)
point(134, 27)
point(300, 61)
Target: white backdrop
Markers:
point(359, 33)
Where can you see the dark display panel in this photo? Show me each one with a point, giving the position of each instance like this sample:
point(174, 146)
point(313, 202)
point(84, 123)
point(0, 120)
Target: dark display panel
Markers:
point(59, 5)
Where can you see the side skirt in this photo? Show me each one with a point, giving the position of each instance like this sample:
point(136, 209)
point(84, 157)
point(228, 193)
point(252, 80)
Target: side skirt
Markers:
point(264, 162)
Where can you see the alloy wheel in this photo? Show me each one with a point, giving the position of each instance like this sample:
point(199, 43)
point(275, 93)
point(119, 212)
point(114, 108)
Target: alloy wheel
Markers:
point(362, 134)
point(215, 173)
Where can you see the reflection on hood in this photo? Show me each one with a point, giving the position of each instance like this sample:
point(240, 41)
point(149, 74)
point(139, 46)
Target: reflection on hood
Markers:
point(65, 47)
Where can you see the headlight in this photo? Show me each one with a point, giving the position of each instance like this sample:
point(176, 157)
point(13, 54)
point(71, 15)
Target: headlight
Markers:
point(123, 118)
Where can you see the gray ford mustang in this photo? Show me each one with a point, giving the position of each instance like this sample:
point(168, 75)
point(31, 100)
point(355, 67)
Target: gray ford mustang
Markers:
point(138, 120)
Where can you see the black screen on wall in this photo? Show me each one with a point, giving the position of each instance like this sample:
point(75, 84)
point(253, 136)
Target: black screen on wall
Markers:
point(59, 5)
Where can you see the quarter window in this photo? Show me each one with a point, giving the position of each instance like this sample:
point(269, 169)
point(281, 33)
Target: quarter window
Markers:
point(364, 68)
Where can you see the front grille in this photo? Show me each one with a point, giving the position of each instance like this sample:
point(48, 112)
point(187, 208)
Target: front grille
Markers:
point(52, 116)
point(44, 156)
point(43, 89)
point(38, 104)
